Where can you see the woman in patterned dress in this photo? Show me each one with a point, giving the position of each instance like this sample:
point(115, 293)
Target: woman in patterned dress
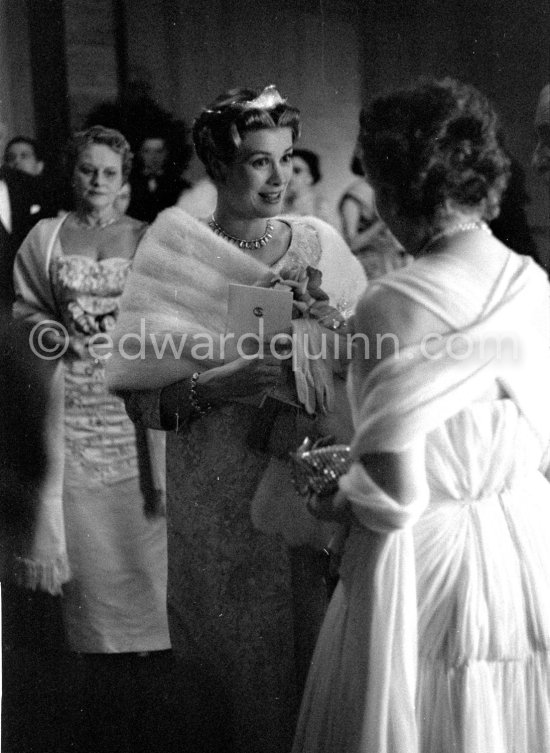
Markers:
point(100, 539)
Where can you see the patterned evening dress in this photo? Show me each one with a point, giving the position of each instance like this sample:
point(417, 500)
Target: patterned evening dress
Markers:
point(115, 601)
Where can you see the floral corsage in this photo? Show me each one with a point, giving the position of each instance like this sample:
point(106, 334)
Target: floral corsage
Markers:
point(310, 300)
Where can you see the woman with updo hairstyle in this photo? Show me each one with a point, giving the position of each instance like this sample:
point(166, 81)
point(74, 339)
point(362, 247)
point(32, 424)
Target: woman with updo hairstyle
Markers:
point(303, 196)
point(442, 611)
point(368, 237)
point(245, 584)
point(99, 540)
point(219, 129)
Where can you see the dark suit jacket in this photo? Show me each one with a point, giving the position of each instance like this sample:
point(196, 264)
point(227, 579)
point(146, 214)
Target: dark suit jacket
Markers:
point(26, 210)
point(146, 204)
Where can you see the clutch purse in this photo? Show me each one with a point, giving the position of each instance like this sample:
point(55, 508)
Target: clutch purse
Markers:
point(318, 468)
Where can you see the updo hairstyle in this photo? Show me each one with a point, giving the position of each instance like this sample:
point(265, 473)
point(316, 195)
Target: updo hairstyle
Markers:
point(434, 142)
point(106, 137)
point(220, 128)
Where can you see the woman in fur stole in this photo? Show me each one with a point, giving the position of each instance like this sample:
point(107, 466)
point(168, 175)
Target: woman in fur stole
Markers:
point(235, 617)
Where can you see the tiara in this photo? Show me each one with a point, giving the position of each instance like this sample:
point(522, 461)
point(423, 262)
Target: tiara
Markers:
point(268, 99)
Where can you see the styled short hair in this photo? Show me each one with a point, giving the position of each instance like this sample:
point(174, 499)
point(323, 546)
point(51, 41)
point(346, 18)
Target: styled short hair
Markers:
point(24, 140)
point(433, 142)
point(312, 161)
point(98, 134)
point(220, 128)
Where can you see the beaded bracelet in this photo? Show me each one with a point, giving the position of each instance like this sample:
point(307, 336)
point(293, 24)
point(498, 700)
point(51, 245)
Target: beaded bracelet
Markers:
point(201, 409)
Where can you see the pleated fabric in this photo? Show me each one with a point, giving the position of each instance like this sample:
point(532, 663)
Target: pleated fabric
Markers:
point(437, 639)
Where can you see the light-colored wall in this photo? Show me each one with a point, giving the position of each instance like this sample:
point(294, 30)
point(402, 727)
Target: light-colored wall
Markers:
point(312, 57)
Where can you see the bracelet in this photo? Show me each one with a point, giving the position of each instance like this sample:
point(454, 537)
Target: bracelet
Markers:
point(201, 409)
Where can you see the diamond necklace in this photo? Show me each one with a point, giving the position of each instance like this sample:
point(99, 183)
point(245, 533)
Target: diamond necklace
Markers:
point(461, 227)
point(242, 242)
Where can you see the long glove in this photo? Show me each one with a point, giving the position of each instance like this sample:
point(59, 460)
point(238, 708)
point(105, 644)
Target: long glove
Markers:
point(312, 372)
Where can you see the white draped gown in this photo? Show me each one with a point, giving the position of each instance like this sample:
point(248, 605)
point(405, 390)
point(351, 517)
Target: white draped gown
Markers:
point(437, 639)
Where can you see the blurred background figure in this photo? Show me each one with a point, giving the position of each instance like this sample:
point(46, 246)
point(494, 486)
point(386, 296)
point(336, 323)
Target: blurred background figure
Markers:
point(157, 178)
point(541, 155)
point(134, 114)
point(366, 234)
point(20, 208)
point(302, 195)
point(22, 153)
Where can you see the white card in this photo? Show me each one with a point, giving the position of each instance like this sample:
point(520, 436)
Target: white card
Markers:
point(255, 312)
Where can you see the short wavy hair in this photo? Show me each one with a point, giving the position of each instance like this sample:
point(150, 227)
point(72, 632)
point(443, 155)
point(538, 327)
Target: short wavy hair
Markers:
point(98, 134)
point(220, 128)
point(433, 142)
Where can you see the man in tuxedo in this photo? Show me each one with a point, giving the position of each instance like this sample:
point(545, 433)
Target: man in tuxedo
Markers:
point(20, 209)
point(23, 153)
point(156, 180)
